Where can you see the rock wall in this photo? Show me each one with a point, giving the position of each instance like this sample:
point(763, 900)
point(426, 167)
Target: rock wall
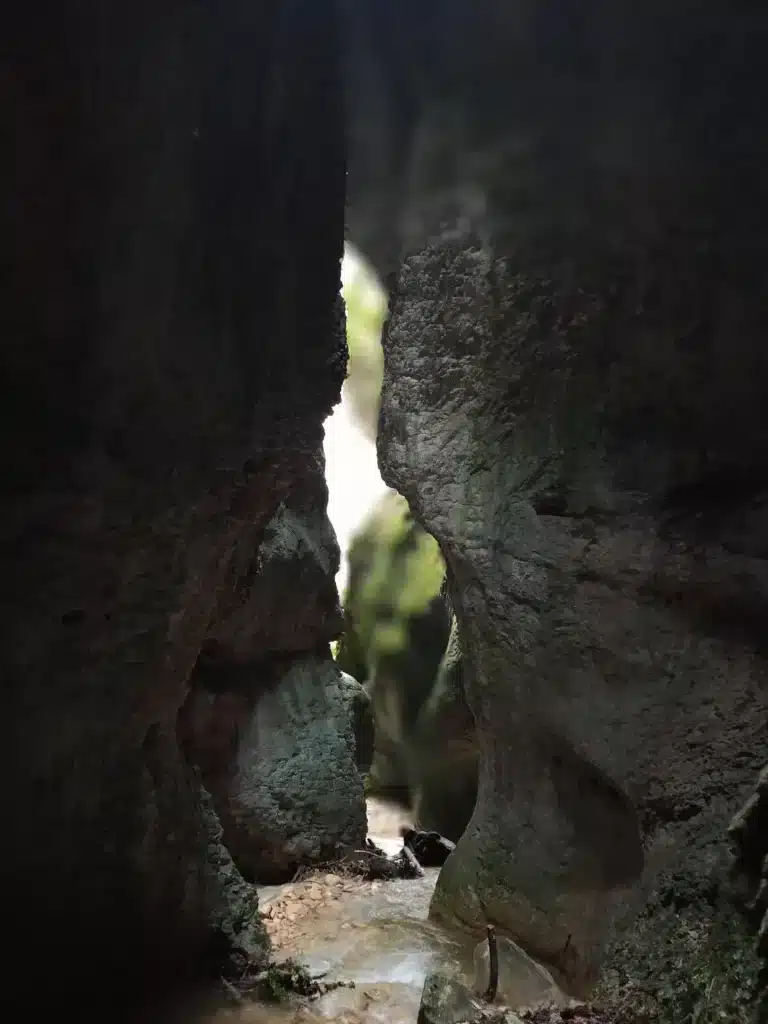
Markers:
point(749, 837)
point(575, 373)
point(272, 722)
point(573, 406)
point(171, 344)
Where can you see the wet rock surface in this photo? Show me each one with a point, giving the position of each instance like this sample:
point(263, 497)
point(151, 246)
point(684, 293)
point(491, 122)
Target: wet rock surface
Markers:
point(603, 517)
point(566, 693)
point(430, 849)
point(446, 999)
point(520, 982)
point(235, 915)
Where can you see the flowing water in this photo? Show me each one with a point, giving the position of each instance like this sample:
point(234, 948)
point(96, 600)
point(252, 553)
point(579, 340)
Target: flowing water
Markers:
point(375, 935)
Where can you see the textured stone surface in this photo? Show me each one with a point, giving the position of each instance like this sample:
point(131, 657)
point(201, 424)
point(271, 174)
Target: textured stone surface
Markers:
point(285, 596)
point(446, 998)
point(575, 373)
point(281, 767)
point(361, 713)
point(749, 837)
point(235, 912)
point(612, 694)
point(171, 343)
point(280, 733)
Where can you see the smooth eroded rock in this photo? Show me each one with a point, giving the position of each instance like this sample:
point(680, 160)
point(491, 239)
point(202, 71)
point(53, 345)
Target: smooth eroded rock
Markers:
point(572, 406)
point(521, 980)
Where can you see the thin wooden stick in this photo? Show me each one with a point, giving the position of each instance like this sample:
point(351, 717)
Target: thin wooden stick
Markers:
point(236, 996)
point(493, 964)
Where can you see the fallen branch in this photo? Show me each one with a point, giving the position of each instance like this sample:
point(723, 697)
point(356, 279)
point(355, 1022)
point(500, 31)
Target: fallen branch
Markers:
point(236, 996)
point(493, 964)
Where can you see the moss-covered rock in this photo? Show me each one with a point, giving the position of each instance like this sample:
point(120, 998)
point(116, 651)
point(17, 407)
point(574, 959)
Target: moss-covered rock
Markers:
point(677, 967)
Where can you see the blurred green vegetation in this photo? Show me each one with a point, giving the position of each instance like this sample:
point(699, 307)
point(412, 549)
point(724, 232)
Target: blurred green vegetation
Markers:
point(396, 571)
point(397, 628)
point(366, 309)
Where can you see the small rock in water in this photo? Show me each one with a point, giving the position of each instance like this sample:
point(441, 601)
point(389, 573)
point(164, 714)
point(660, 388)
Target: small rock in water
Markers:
point(445, 999)
point(430, 848)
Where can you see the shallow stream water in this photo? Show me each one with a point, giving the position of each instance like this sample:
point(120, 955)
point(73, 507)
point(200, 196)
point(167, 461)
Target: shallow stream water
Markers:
point(373, 934)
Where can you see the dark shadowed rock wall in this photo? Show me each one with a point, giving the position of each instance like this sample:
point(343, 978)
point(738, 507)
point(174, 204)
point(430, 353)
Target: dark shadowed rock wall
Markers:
point(749, 836)
point(568, 202)
point(574, 405)
point(171, 230)
point(271, 720)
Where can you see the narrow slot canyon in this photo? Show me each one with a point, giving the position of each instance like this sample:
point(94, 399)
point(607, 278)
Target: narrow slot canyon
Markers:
point(385, 511)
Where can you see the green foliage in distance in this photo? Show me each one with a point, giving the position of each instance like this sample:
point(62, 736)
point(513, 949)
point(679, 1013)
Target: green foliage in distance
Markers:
point(396, 571)
point(366, 309)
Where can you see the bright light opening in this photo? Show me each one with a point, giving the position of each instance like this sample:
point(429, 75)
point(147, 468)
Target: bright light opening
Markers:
point(351, 467)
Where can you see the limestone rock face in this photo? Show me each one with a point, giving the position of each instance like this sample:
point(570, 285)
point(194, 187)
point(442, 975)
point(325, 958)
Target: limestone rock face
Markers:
point(171, 344)
point(282, 768)
point(575, 368)
point(613, 694)
point(361, 713)
point(749, 837)
point(235, 913)
point(279, 732)
point(285, 598)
